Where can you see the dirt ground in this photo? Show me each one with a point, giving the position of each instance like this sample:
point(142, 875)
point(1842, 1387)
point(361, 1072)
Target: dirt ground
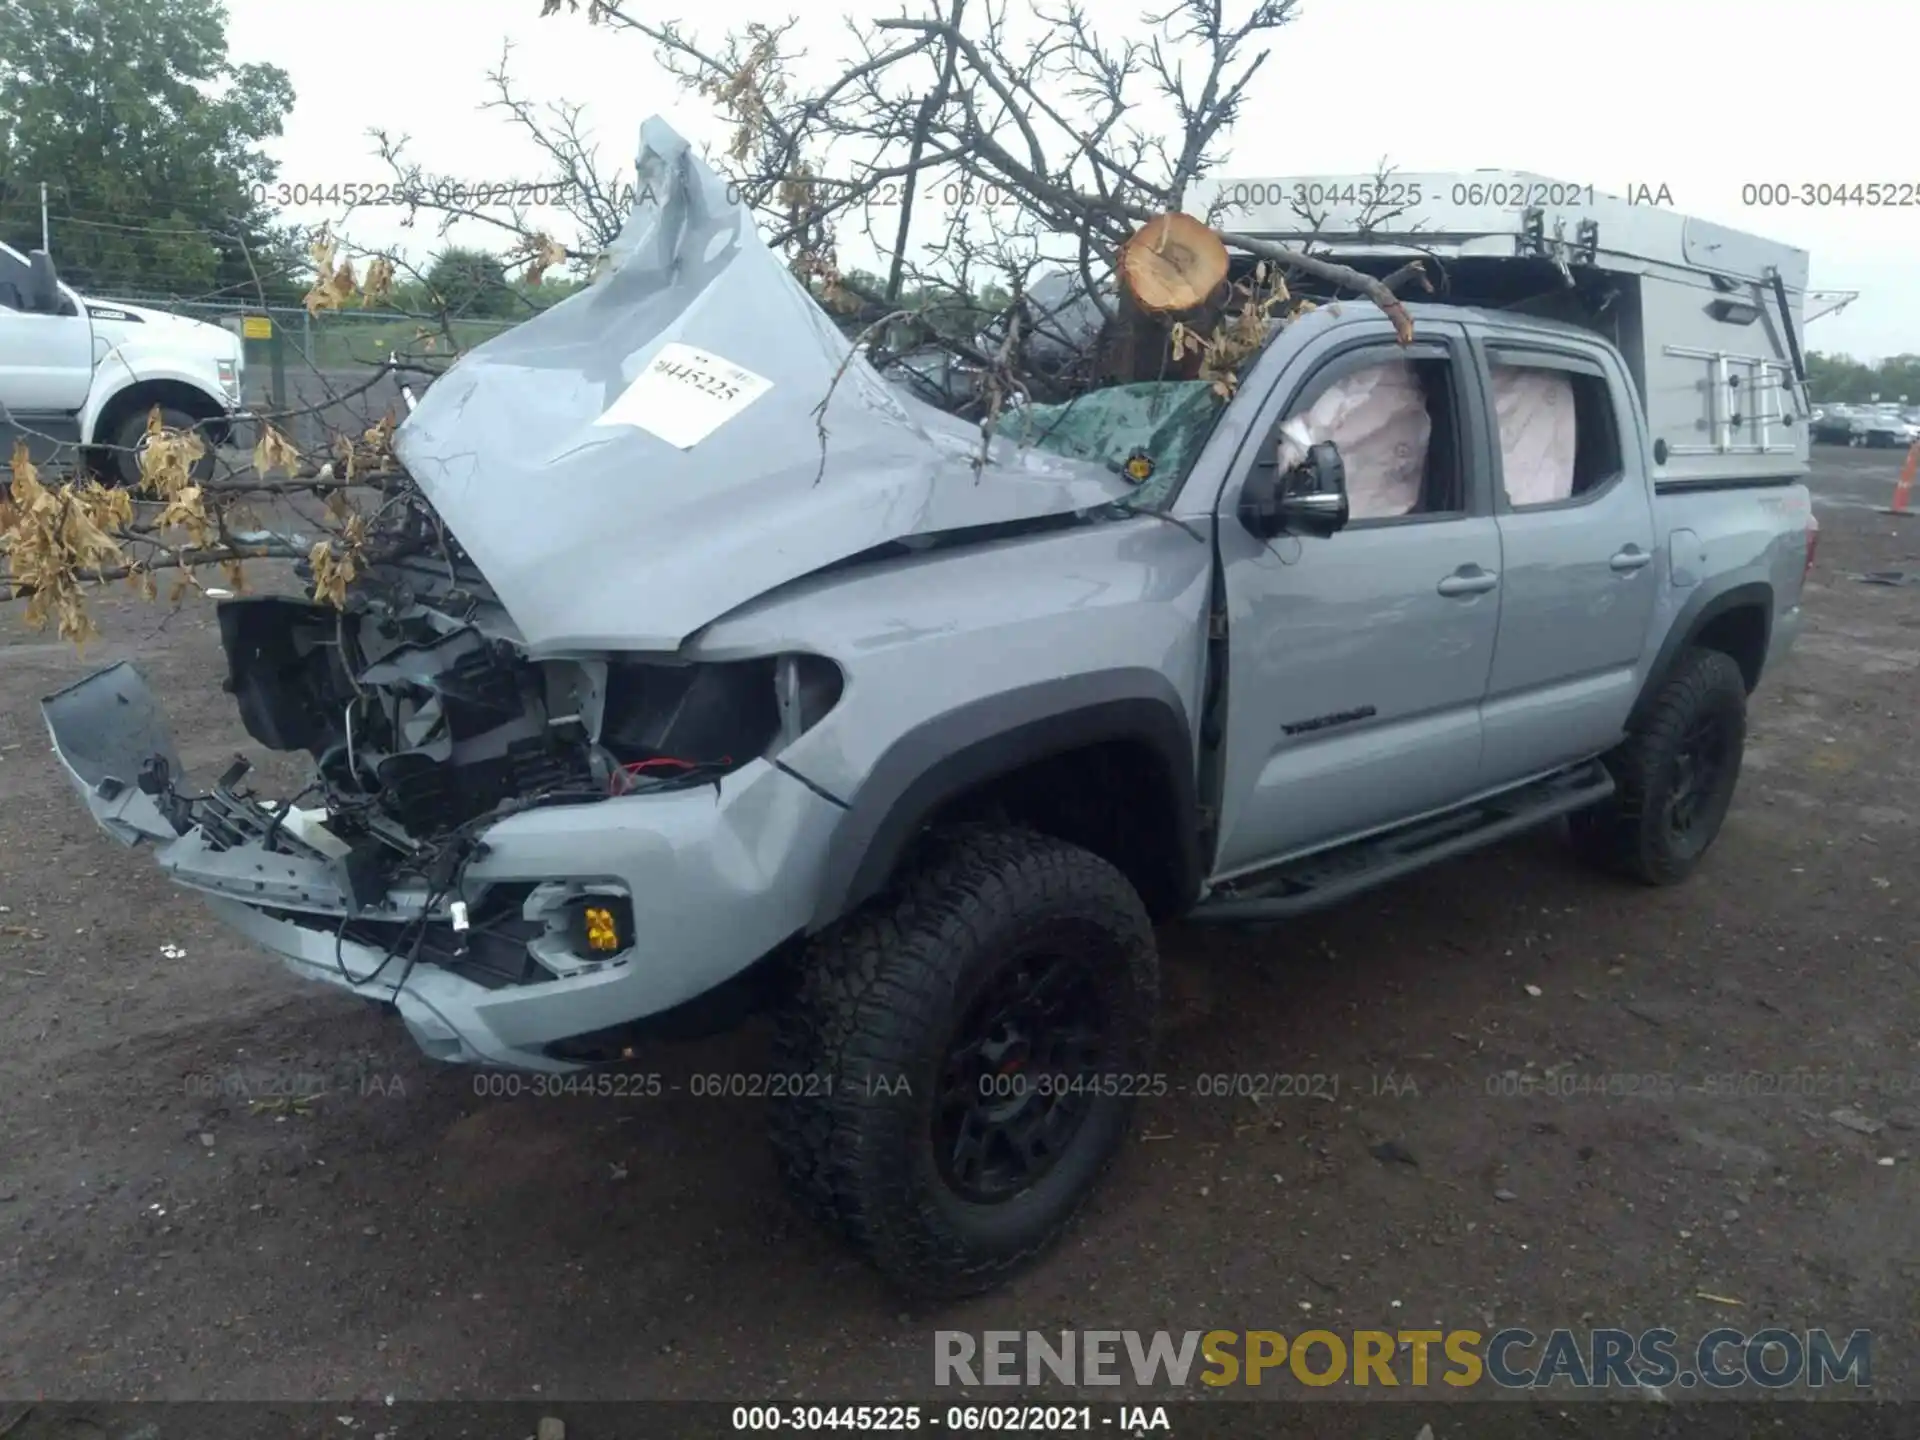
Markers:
point(161, 1236)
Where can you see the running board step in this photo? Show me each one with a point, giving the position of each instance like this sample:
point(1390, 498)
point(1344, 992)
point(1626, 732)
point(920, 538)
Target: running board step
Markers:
point(1328, 877)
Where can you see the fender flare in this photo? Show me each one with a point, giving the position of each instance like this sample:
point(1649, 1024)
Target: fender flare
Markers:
point(943, 758)
point(101, 398)
point(1701, 610)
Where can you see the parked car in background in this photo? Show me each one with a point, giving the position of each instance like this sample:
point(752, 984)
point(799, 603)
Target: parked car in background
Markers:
point(87, 373)
point(1885, 428)
point(1837, 425)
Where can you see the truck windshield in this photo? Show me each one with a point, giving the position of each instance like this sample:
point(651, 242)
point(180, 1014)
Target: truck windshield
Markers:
point(1150, 432)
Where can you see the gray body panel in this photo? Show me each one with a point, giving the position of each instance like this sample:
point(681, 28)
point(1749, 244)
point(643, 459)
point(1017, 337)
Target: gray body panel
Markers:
point(1469, 694)
point(514, 445)
point(1349, 624)
point(1363, 686)
point(1574, 624)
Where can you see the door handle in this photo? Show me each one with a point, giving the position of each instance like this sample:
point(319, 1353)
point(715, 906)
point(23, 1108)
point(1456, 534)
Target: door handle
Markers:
point(1469, 580)
point(1629, 559)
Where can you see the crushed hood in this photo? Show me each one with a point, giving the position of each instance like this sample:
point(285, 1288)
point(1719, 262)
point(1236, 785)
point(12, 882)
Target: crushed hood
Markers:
point(645, 456)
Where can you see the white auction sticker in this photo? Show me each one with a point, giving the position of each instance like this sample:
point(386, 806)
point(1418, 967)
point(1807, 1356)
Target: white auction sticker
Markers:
point(684, 395)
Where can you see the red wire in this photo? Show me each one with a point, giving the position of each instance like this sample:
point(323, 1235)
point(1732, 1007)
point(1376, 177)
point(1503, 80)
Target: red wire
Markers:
point(637, 767)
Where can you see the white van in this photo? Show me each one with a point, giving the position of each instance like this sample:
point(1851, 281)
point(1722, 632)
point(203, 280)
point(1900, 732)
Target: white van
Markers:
point(86, 373)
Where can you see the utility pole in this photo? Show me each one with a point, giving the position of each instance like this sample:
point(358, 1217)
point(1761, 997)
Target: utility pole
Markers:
point(44, 245)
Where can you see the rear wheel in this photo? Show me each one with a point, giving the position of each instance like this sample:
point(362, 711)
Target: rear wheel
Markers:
point(968, 1053)
point(1674, 776)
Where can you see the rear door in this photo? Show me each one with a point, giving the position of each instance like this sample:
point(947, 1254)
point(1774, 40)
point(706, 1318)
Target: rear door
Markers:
point(46, 361)
point(1580, 569)
point(1357, 663)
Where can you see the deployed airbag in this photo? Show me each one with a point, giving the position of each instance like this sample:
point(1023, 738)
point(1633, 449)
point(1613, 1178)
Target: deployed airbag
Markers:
point(1538, 433)
point(1378, 417)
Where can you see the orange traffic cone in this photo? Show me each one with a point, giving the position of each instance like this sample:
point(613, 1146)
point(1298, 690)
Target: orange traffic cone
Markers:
point(1904, 487)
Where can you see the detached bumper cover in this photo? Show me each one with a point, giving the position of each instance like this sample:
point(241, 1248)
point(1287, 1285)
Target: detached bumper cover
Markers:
point(718, 876)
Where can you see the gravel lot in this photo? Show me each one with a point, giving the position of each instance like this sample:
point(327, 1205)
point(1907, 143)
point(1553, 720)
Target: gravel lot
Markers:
point(160, 1236)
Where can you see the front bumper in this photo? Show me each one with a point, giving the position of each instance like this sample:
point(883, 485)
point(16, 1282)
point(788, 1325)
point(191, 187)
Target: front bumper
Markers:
point(717, 876)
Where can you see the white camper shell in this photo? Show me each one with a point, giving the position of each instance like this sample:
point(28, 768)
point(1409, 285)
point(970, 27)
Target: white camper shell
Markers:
point(1710, 320)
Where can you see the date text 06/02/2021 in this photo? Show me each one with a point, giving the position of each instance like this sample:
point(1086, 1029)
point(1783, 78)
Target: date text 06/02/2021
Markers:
point(701, 1085)
point(960, 1419)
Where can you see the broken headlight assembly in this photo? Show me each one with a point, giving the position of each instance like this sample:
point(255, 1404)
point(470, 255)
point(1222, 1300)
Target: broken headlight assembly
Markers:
point(424, 729)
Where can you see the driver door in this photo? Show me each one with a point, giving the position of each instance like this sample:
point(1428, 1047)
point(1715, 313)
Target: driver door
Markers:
point(46, 361)
point(1357, 662)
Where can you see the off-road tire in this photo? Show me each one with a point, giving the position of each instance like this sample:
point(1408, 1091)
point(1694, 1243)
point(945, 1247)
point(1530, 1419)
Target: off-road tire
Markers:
point(1629, 834)
point(881, 999)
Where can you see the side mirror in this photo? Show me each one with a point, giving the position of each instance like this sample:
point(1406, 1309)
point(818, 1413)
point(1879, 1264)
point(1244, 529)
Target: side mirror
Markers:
point(1310, 499)
point(44, 282)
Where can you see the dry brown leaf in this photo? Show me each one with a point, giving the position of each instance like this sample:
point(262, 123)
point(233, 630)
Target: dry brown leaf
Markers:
point(168, 458)
point(331, 292)
point(321, 251)
point(273, 451)
point(343, 451)
point(187, 510)
point(334, 284)
point(798, 196)
point(333, 571)
point(749, 91)
point(541, 253)
point(378, 285)
point(52, 537)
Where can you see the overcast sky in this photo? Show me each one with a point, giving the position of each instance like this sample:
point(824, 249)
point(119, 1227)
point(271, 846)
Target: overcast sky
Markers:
point(1702, 96)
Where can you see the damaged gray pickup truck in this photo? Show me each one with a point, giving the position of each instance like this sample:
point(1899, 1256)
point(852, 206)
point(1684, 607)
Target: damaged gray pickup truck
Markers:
point(677, 709)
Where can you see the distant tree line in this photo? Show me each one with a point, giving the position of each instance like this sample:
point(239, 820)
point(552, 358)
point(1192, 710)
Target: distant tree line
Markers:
point(474, 284)
point(1842, 380)
point(148, 139)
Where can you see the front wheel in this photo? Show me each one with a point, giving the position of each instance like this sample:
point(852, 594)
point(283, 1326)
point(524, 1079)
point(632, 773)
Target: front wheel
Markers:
point(1674, 776)
point(967, 1053)
point(122, 463)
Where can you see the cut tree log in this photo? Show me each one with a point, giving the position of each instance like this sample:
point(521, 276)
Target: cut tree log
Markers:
point(1172, 264)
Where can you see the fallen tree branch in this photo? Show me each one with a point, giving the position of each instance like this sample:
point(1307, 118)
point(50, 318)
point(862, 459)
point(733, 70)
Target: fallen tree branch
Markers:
point(188, 558)
point(853, 353)
point(1345, 276)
